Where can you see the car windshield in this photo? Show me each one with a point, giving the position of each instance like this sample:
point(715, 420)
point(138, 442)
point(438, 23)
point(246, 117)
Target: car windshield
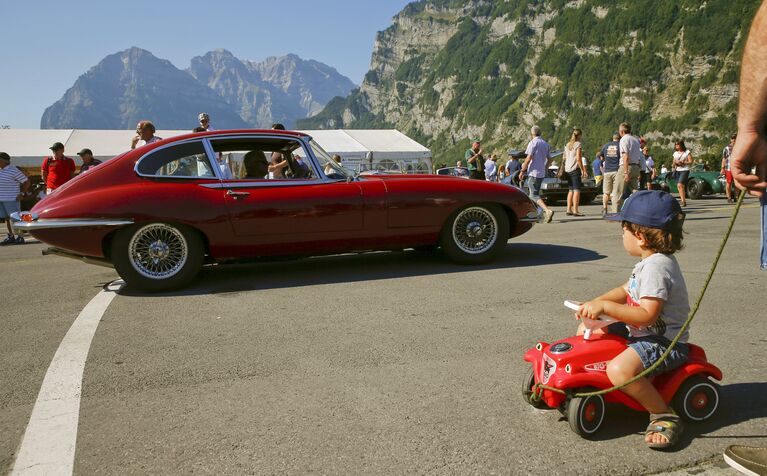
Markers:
point(330, 167)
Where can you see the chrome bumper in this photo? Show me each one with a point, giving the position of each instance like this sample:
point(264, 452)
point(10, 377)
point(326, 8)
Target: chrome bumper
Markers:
point(26, 221)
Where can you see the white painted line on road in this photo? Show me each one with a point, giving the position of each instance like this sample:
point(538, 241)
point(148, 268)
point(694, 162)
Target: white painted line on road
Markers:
point(48, 446)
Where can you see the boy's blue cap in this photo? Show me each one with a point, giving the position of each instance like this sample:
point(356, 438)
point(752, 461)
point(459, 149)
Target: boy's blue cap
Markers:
point(650, 208)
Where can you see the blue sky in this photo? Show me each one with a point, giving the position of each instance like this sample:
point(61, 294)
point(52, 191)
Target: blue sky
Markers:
point(48, 44)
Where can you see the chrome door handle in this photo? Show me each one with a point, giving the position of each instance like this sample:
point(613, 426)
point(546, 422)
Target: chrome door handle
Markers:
point(234, 194)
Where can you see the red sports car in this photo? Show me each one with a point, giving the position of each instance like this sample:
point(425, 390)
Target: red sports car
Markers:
point(161, 211)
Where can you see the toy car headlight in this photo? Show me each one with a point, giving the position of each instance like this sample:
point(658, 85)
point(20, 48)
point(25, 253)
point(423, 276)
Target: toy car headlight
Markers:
point(539, 346)
point(568, 369)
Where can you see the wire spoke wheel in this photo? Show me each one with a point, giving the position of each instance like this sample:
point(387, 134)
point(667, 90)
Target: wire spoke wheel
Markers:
point(475, 230)
point(158, 251)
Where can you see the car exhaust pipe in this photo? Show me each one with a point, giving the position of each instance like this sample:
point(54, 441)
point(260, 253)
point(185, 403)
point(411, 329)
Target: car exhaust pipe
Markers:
point(85, 259)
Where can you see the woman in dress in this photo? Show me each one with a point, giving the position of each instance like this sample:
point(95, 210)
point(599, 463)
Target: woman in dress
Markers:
point(682, 162)
point(575, 171)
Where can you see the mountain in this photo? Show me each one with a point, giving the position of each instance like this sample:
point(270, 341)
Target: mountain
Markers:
point(448, 70)
point(127, 87)
point(275, 90)
point(132, 85)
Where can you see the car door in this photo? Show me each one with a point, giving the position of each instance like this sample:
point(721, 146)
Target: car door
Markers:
point(289, 209)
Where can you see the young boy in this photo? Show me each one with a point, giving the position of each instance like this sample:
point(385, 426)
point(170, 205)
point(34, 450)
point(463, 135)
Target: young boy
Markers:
point(652, 306)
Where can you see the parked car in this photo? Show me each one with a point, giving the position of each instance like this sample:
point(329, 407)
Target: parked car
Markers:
point(161, 211)
point(702, 182)
point(462, 172)
point(555, 189)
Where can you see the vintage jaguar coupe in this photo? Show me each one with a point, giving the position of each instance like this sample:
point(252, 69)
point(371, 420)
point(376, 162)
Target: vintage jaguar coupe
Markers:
point(160, 212)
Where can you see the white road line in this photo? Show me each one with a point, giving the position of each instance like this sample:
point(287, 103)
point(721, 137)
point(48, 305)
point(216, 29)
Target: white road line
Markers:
point(48, 447)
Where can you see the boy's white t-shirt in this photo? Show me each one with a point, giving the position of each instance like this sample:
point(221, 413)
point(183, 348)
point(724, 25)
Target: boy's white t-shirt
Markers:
point(659, 276)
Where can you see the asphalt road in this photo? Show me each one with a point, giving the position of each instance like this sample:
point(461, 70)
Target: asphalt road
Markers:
point(376, 363)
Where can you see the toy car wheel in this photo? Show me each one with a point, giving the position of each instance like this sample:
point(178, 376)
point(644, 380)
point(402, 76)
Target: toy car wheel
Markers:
point(585, 414)
point(527, 390)
point(157, 256)
point(475, 234)
point(697, 398)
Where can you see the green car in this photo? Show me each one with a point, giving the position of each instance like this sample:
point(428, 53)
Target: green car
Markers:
point(702, 182)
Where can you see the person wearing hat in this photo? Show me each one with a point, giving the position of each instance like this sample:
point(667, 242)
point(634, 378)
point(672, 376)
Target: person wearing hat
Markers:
point(475, 162)
point(57, 169)
point(651, 307)
point(88, 160)
point(13, 183)
point(204, 120)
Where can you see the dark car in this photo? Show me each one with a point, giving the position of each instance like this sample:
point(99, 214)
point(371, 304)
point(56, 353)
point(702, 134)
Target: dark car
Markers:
point(702, 182)
point(555, 189)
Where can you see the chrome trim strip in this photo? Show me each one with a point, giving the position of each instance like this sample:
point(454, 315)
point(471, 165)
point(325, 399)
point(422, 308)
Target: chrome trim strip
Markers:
point(262, 184)
point(43, 224)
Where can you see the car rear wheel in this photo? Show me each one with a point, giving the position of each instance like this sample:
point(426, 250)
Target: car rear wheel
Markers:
point(695, 188)
point(475, 234)
point(157, 256)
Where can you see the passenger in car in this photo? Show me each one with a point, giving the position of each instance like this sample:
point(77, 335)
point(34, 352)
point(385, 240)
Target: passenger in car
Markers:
point(256, 165)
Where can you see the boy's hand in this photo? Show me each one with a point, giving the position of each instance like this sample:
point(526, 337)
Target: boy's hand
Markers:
point(591, 309)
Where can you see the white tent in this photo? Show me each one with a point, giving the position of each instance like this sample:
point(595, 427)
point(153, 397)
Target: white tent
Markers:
point(27, 147)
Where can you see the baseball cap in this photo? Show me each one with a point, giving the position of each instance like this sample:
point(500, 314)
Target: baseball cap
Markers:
point(5, 156)
point(203, 115)
point(476, 139)
point(85, 151)
point(650, 208)
point(56, 146)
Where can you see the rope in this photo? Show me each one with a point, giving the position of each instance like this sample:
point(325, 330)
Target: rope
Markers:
point(536, 390)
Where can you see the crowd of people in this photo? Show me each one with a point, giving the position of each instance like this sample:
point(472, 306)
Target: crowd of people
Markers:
point(622, 166)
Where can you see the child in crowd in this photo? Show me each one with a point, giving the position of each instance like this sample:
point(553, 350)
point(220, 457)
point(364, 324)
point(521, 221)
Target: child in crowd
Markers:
point(651, 307)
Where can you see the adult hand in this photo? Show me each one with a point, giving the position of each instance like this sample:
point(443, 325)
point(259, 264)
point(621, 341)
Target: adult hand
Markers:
point(750, 150)
point(521, 175)
point(134, 141)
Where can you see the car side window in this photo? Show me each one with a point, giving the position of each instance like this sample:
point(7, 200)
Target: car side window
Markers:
point(187, 160)
point(264, 158)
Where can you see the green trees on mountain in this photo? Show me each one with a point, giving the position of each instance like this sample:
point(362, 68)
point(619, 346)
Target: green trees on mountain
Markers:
point(667, 66)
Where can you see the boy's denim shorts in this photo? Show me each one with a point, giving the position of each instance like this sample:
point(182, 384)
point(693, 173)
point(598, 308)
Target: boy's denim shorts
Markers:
point(650, 348)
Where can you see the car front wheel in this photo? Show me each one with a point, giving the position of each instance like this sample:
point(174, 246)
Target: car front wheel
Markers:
point(157, 256)
point(475, 234)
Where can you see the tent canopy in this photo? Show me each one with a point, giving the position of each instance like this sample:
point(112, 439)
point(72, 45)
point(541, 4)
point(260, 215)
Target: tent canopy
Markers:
point(27, 147)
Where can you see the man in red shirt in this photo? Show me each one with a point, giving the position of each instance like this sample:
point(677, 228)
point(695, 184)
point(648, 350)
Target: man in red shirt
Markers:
point(57, 169)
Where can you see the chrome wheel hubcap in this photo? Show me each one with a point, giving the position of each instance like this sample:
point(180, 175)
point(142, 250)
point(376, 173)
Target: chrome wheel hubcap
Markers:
point(475, 230)
point(158, 251)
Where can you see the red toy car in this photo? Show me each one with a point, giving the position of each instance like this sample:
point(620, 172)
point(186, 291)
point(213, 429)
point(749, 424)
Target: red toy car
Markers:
point(577, 364)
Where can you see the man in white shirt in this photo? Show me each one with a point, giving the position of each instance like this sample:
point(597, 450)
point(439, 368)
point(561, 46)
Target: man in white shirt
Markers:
point(631, 157)
point(13, 183)
point(144, 134)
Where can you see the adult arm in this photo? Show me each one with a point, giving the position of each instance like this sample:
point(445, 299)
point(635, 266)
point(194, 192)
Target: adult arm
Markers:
point(579, 158)
point(750, 148)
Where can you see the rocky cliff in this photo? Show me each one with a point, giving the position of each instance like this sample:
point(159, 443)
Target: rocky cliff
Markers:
point(134, 84)
point(445, 71)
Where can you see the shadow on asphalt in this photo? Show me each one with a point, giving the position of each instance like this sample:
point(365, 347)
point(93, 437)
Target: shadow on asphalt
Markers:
point(363, 267)
point(740, 402)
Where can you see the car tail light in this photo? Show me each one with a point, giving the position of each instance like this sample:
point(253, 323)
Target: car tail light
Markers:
point(28, 216)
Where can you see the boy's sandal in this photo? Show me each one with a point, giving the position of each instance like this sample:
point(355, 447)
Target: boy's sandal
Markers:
point(667, 425)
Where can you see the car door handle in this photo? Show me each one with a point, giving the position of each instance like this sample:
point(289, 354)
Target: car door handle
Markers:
point(234, 194)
